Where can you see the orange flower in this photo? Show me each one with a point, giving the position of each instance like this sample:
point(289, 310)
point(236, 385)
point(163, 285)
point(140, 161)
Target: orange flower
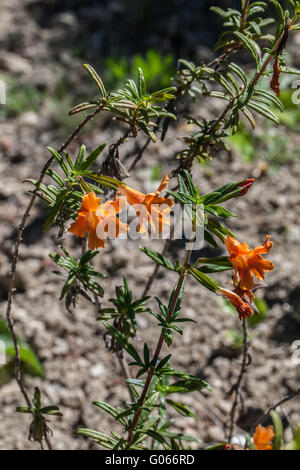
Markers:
point(263, 436)
point(243, 308)
point(247, 262)
point(97, 220)
point(150, 207)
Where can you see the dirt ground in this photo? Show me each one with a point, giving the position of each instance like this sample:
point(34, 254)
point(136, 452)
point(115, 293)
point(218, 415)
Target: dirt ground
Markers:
point(78, 368)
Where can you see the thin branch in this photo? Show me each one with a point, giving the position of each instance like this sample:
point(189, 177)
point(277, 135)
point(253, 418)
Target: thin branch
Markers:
point(12, 275)
point(140, 154)
point(236, 387)
point(244, 16)
point(283, 400)
point(47, 439)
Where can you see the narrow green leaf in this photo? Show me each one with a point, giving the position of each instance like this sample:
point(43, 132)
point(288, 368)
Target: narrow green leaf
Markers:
point(93, 74)
point(114, 412)
point(86, 164)
point(158, 258)
point(141, 83)
point(278, 430)
point(122, 340)
point(181, 408)
point(205, 280)
point(249, 44)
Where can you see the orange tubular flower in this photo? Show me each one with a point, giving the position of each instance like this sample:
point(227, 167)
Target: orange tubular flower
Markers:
point(262, 437)
point(150, 207)
point(243, 308)
point(247, 262)
point(96, 219)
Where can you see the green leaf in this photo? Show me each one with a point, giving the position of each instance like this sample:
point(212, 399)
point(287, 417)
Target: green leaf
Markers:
point(238, 71)
point(56, 209)
point(216, 446)
point(25, 409)
point(163, 362)
point(29, 360)
point(37, 401)
point(295, 443)
point(264, 111)
point(249, 44)
point(210, 239)
point(279, 10)
point(80, 157)
point(157, 437)
point(278, 430)
point(71, 278)
point(219, 211)
point(55, 176)
point(205, 280)
point(136, 382)
point(219, 11)
point(141, 83)
point(86, 164)
point(213, 268)
point(181, 408)
point(146, 354)
point(190, 384)
point(122, 340)
point(158, 258)
point(93, 74)
point(51, 410)
point(60, 160)
point(218, 261)
point(217, 264)
point(103, 439)
point(211, 197)
point(269, 97)
point(219, 229)
point(168, 336)
point(114, 412)
point(190, 183)
point(249, 116)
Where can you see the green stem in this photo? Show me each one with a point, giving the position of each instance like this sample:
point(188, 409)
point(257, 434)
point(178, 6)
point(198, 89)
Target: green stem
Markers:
point(159, 345)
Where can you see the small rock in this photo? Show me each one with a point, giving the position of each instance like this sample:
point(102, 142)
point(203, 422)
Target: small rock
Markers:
point(97, 370)
point(142, 323)
point(4, 280)
point(14, 63)
point(6, 143)
point(29, 118)
point(215, 433)
point(66, 19)
point(61, 347)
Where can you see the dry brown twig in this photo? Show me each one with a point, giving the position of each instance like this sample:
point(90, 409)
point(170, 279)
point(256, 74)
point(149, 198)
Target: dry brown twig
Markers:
point(236, 387)
point(12, 275)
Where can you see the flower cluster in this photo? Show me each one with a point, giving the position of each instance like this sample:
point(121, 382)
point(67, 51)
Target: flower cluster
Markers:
point(99, 219)
point(246, 263)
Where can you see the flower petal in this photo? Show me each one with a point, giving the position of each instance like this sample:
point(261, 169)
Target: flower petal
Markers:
point(263, 436)
point(243, 308)
point(89, 203)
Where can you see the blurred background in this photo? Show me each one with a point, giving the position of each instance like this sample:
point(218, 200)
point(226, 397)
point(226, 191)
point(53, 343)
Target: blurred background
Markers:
point(43, 46)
